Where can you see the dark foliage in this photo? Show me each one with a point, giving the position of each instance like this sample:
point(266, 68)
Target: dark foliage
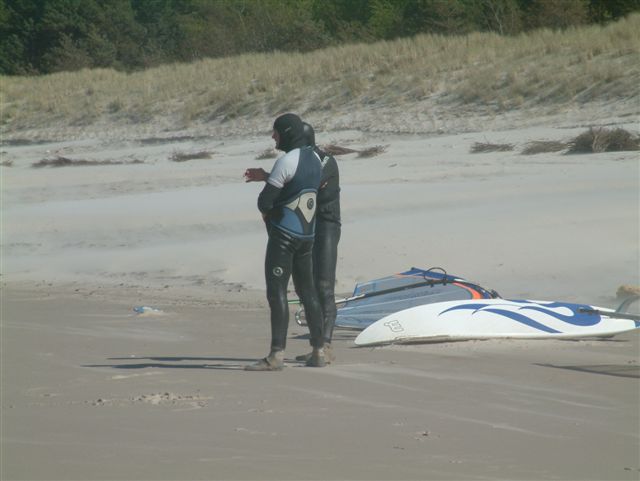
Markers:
point(45, 36)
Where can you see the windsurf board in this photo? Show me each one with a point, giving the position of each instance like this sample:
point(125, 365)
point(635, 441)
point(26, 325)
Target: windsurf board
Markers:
point(494, 318)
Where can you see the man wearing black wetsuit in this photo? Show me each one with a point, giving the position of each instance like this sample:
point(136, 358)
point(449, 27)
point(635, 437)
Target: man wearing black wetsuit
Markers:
point(288, 207)
point(325, 246)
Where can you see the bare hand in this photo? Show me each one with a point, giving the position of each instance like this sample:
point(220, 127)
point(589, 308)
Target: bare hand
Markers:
point(255, 175)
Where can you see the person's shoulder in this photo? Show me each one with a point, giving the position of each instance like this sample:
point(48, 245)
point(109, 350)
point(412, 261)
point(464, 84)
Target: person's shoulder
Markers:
point(291, 153)
point(329, 161)
point(289, 157)
point(323, 155)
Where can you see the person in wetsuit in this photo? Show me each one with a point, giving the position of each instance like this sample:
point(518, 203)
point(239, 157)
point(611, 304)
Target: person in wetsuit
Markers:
point(288, 206)
point(327, 236)
point(325, 246)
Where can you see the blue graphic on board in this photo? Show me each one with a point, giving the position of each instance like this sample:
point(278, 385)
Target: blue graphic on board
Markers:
point(576, 318)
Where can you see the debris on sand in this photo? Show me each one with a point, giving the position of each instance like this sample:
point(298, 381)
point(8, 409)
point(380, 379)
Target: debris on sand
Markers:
point(183, 157)
point(626, 290)
point(60, 161)
point(333, 149)
point(481, 147)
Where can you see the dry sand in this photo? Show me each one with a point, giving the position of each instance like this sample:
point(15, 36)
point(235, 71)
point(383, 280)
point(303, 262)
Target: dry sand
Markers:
point(91, 390)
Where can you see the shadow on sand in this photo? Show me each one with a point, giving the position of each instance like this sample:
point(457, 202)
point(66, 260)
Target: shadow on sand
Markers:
point(624, 370)
point(221, 363)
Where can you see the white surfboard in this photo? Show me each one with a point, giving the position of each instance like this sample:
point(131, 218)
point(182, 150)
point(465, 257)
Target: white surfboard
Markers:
point(494, 318)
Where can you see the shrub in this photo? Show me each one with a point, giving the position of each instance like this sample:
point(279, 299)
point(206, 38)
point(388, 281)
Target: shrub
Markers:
point(600, 139)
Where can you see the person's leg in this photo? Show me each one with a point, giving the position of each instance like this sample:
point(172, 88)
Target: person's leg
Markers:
point(277, 269)
point(303, 281)
point(325, 258)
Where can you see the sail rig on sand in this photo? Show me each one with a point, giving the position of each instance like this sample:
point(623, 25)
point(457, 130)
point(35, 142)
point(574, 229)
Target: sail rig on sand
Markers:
point(375, 299)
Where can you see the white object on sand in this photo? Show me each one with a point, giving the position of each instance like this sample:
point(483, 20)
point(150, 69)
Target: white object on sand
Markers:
point(147, 311)
point(494, 318)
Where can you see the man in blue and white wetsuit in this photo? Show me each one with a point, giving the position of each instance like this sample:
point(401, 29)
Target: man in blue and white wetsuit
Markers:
point(327, 236)
point(288, 207)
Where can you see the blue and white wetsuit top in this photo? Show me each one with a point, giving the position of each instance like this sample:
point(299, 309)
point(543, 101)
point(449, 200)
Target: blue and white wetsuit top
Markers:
point(297, 174)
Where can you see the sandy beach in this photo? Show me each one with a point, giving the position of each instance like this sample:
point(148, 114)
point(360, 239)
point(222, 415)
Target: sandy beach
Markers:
point(93, 391)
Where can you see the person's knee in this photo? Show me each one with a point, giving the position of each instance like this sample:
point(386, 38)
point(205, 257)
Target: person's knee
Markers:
point(324, 287)
point(273, 299)
point(306, 295)
point(276, 296)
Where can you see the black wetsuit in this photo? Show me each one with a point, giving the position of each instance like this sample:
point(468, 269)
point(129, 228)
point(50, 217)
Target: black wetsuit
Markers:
point(325, 247)
point(288, 202)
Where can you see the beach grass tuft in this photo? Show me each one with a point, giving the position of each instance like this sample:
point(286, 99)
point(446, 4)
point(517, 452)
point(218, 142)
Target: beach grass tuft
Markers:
point(600, 139)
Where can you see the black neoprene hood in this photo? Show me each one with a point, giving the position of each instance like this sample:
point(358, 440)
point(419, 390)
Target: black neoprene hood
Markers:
point(291, 132)
point(309, 134)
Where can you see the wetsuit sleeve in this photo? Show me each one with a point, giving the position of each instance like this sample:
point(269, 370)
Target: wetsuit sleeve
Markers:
point(329, 173)
point(329, 168)
point(284, 169)
point(267, 197)
point(329, 193)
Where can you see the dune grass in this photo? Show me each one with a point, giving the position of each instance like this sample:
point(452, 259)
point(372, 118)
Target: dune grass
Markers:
point(543, 67)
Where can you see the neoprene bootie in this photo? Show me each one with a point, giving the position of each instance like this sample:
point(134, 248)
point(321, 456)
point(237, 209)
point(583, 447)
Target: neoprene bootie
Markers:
point(317, 358)
point(329, 356)
point(273, 362)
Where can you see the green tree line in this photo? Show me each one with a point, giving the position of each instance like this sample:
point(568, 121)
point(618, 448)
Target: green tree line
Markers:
point(45, 36)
